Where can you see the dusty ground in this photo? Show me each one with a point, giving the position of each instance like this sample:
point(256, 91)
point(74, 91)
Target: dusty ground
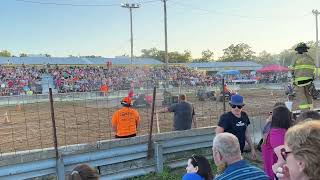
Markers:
point(90, 121)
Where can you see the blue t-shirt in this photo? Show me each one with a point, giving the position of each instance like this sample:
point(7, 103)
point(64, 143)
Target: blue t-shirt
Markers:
point(236, 126)
point(241, 170)
point(192, 176)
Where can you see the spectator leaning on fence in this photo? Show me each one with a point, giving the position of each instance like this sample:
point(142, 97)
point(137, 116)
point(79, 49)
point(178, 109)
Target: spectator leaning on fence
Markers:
point(83, 172)
point(236, 122)
point(227, 154)
point(125, 121)
point(183, 113)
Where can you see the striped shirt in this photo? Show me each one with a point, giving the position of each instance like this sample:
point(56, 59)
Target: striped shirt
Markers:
point(242, 170)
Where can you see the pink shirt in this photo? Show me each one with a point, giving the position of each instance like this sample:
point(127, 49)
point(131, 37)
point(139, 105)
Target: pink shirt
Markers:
point(274, 139)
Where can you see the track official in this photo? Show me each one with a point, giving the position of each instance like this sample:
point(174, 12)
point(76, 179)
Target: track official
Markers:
point(125, 121)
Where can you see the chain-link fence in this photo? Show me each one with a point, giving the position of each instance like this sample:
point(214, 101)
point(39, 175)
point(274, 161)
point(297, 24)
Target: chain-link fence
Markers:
point(86, 117)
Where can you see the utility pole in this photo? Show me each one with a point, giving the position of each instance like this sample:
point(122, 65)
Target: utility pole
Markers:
point(130, 7)
point(166, 39)
point(316, 13)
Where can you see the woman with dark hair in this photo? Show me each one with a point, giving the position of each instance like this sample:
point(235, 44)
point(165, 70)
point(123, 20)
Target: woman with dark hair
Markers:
point(267, 126)
point(198, 168)
point(281, 120)
point(84, 172)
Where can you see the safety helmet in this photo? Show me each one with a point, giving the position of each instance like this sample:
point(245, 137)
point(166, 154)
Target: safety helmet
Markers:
point(302, 47)
point(126, 101)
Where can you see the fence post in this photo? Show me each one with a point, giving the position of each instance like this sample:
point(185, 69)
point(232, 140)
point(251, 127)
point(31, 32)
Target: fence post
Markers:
point(223, 95)
point(59, 160)
point(151, 124)
point(60, 168)
point(158, 151)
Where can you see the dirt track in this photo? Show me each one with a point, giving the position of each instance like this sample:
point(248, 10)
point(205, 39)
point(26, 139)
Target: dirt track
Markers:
point(90, 121)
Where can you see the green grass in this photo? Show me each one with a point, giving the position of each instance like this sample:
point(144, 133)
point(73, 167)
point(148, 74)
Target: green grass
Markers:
point(177, 174)
point(170, 174)
point(167, 174)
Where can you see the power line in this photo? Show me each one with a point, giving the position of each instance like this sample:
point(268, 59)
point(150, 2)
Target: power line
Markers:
point(77, 5)
point(65, 4)
point(213, 11)
point(207, 11)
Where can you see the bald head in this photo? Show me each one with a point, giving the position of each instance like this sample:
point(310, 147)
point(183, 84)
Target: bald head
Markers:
point(227, 144)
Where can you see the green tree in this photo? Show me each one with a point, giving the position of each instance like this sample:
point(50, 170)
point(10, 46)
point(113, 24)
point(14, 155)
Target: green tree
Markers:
point(237, 52)
point(265, 58)
point(207, 55)
point(5, 53)
point(23, 55)
point(286, 57)
point(187, 57)
point(153, 53)
point(173, 57)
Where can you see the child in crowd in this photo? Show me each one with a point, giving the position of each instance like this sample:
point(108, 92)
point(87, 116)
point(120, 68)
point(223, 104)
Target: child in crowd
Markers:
point(84, 172)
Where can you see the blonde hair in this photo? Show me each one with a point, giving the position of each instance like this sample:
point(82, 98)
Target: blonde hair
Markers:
point(304, 141)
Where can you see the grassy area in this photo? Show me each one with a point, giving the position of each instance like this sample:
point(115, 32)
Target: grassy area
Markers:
point(177, 174)
point(169, 174)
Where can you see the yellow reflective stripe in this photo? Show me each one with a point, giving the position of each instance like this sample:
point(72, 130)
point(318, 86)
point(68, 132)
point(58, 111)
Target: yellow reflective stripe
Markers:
point(316, 69)
point(297, 79)
point(304, 66)
point(305, 106)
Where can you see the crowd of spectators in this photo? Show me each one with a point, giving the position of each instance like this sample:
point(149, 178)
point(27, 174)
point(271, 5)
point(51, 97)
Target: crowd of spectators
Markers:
point(20, 80)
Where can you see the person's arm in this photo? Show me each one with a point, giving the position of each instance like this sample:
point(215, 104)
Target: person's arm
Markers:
point(248, 139)
point(222, 124)
point(137, 118)
point(219, 130)
point(279, 168)
point(281, 171)
point(163, 110)
point(277, 143)
point(167, 109)
point(114, 122)
point(269, 118)
point(280, 161)
point(250, 143)
point(194, 119)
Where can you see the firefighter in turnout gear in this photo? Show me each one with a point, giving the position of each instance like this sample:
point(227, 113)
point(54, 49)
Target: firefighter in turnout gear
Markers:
point(303, 76)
